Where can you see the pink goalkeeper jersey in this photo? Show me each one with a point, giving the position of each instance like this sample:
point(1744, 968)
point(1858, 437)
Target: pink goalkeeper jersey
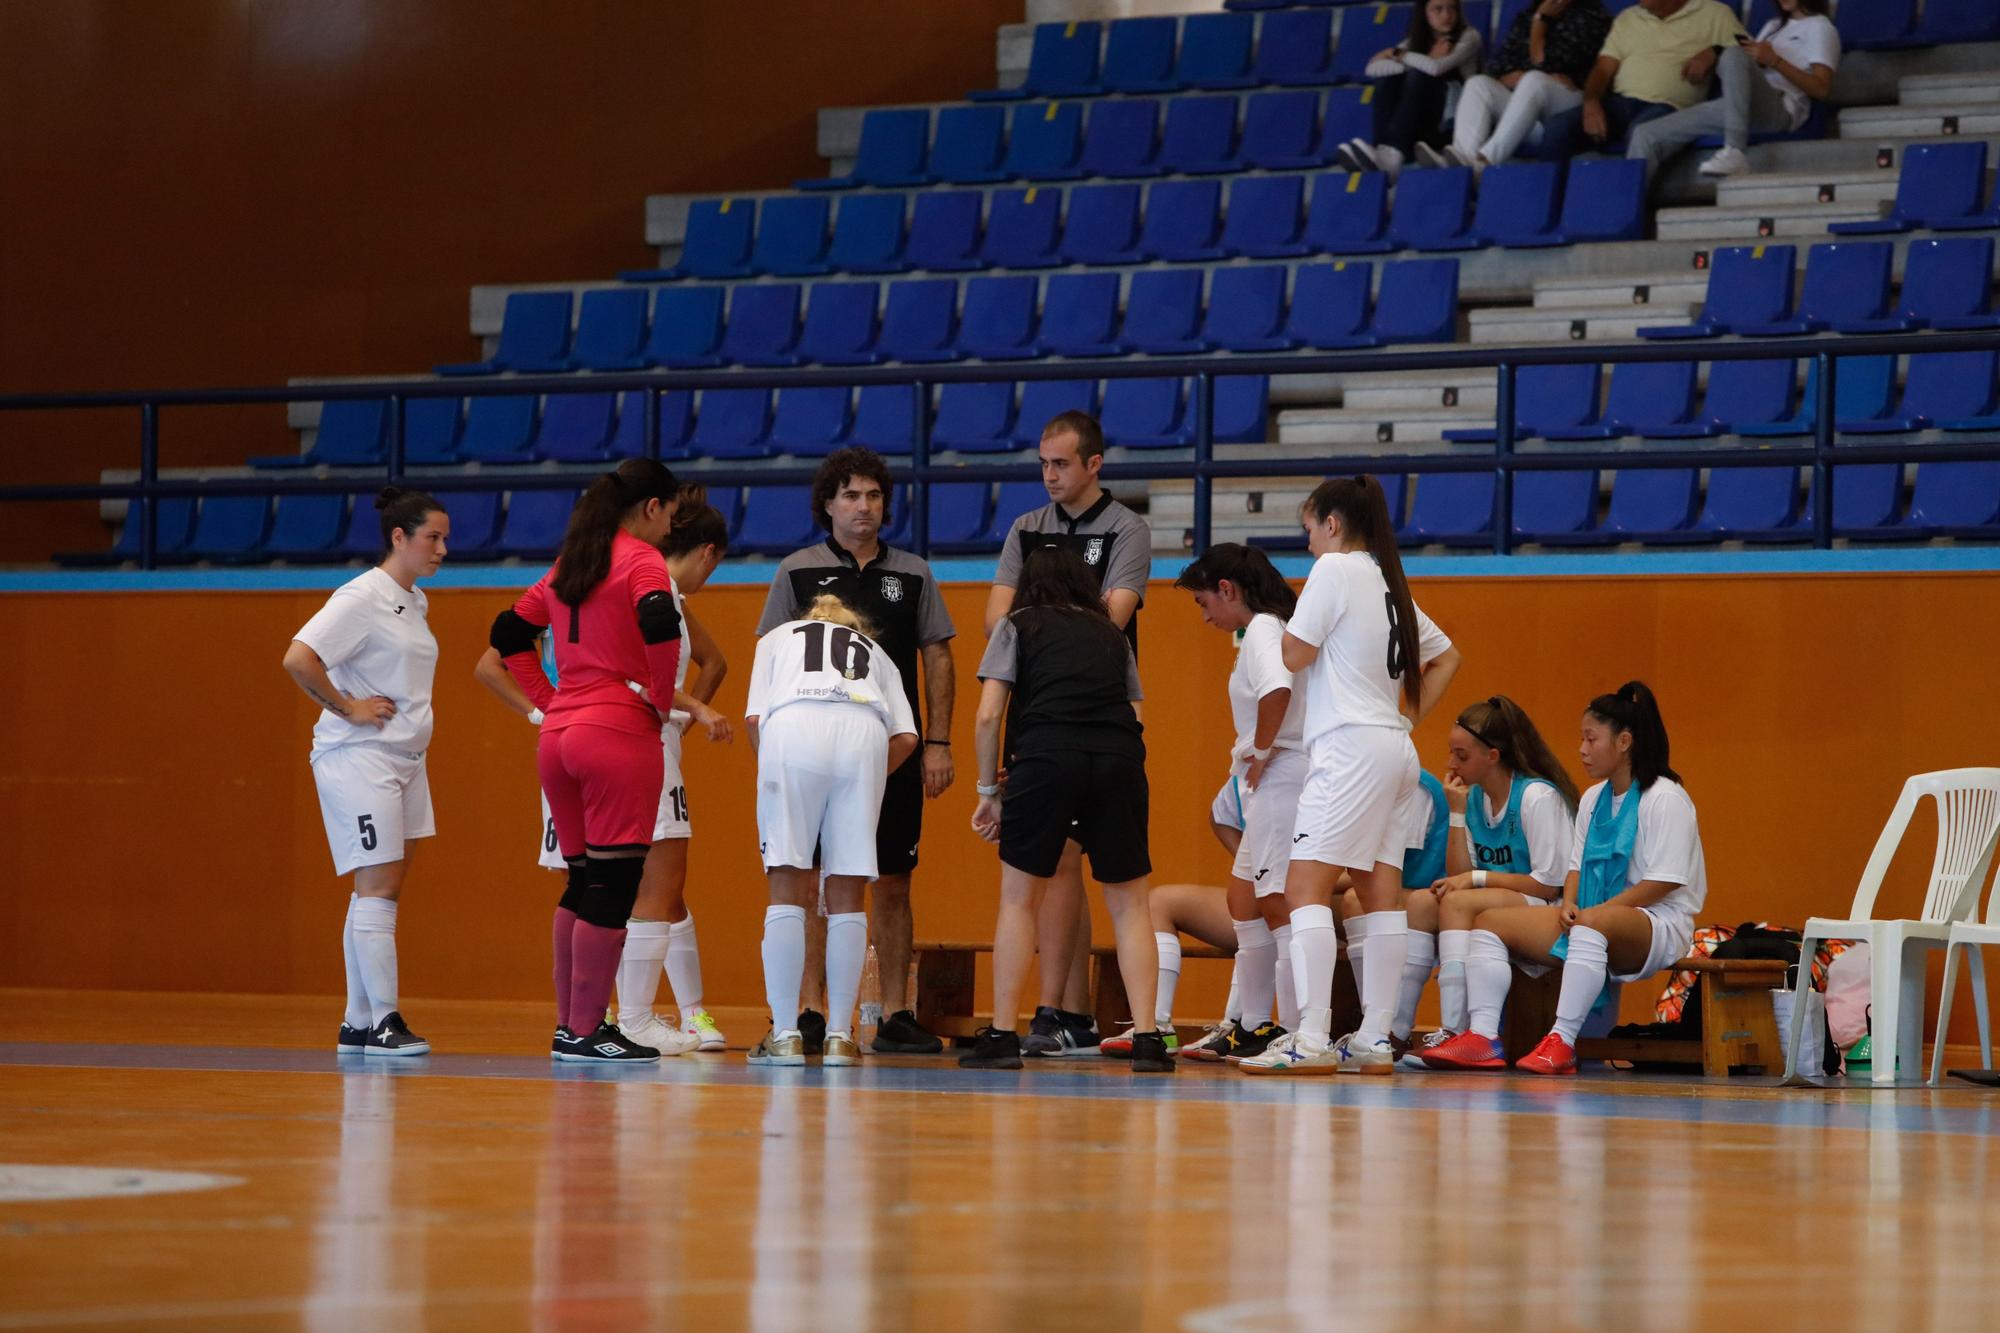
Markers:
point(598, 647)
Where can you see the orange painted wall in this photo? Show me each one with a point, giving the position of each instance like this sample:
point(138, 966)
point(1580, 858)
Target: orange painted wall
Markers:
point(153, 779)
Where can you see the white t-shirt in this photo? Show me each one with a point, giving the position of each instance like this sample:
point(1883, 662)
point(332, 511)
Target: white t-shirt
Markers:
point(1545, 820)
point(679, 717)
point(1259, 670)
point(375, 638)
point(1667, 848)
point(818, 661)
point(1344, 612)
point(1808, 40)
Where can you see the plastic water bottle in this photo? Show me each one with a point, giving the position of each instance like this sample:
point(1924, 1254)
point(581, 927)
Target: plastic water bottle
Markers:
point(871, 999)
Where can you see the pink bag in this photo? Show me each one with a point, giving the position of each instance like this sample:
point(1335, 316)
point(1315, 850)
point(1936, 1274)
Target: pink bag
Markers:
point(1847, 997)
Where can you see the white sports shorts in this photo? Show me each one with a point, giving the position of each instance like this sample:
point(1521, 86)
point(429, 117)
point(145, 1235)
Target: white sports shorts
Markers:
point(821, 768)
point(671, 822)
point(1361, 806)
point(1269, 814)
point(1226, 810)
point(373, 801)
point(1673, 932)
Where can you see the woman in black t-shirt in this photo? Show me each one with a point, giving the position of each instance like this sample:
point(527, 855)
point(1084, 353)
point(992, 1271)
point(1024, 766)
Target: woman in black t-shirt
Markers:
point(1062, 677)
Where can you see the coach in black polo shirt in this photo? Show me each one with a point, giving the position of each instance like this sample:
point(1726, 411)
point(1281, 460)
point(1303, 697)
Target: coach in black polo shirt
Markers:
point(898, 595)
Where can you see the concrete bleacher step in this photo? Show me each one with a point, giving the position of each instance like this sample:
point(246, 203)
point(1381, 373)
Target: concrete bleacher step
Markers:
point(1417, 390)
point(1578, 323)
point(1365, 431)
point(1920, 122)
point(1928, 90)
point(1761, 221)
point(1683, 287)
point(1240, 508)
point(1825, 188)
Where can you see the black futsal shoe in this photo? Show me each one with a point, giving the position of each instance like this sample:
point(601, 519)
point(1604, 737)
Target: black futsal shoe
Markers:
point(993, 1049)
point(1045, 1033)
point(1149, 1054)
point(607, 1045)
point(812, 1028)
point(1249, 1043)
point(1079, 1033)
point(564, 1043)
point(392, 1036)
point(352, 1041)
point(901, 1034)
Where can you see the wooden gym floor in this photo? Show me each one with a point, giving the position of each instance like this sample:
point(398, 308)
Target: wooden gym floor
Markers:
point(483, 1187)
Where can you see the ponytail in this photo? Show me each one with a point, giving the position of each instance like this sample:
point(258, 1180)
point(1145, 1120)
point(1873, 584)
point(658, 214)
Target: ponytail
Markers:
point(1633, 709)
point(1501, 724)
point(1364, 516)
point(1249, 571)
point(585, 558)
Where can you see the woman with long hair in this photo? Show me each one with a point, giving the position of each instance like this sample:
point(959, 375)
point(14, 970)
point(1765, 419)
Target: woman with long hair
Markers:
point(1413, 84)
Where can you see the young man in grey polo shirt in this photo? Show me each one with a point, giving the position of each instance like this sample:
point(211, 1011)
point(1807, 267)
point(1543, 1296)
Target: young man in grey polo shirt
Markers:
point(897, 594)
point(1117, 546)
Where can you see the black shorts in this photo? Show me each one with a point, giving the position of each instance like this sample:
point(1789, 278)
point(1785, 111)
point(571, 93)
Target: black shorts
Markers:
point(901, 826)
point(1100, 800)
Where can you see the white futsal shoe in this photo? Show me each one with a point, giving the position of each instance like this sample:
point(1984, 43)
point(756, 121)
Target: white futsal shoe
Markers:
point(1294, 1053)
point(703, 1029)
point(1351, 1055)
point(648, 1030)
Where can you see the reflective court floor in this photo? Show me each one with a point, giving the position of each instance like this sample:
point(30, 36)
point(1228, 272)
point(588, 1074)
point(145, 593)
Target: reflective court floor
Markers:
point(193, 1185)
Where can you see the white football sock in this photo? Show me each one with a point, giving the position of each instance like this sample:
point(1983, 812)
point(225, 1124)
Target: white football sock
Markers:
point(1256, 969)
point(684, 967)
point(1451, 979)
point(1382, 984)
point(1169, 946)
point(1285, 986)
point(1583, 980)
point(639, 969)
point(375, 947)
point(358, 1014)
point(1315, 953)
point(1488, 974)
point(784, 964)
point(1419, 955)
point(846, 955)
point(1356, 931)
point(1232, 1008)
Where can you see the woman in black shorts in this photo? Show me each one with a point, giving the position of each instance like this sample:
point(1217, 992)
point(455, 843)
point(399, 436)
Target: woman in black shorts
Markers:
point(1063, 678)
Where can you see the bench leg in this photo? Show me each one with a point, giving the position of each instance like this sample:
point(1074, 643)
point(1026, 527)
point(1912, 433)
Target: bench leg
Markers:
point(945, 983)
point(1737, 1028)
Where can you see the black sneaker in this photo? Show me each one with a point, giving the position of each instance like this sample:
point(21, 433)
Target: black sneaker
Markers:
point(1249, 1042)
point(607, 1045)
point(352, 1041)
point(993, 1049)
point(1149, 1054)
point(812, 1028)
point(1045, 1033)
point(901, 1034)
point(565, 1042)
point(392, 1036)
point(1081, 1030)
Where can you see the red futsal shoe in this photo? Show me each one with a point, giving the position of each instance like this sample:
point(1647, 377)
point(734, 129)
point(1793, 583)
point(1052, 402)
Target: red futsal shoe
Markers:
point(1468, 1050)
point(1552, 1055)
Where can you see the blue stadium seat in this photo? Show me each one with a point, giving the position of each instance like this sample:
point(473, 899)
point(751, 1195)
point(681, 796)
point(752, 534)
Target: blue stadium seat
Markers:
point(840, 327)
point(1200, 136)
point(1015, 499)
point(1295, 49)
point(944, 231)
point(920, 321)
point(1546, 398)
point(1451, 509)
point(1646, 397)
point(1281, 132)
point(894, 144)
point(1266, 217)
point(1163, 312)
point(1518, 206)
point(777, 520)
point(1652, 504)
point(1955, 500)
point(628, 435)
point(1348, 115)
point(1741, 394)
point(1122, 139)
point(1246, 310)
point(968, 147)
point(535, 523)
point(1747, 286)
point(1867, 501)
point(791, 237)
point(1363, 32)
point(1242, 404)
point(868, 235)
point(1948, 283)
point(733, 423)
point(534, 337)
point(1948, 21)
point(475, 524)
point(309, 526)
point(1215, 51)
point(676, 424)
point(1417, 302)
point(884, 420)
point(717, 242)
point(1941, 186)
point(363, 536)
point(1045, 141)
point(763, 325)
point(610, 331)
point(999, 320)
point(728, 502)
point(1139, 56)
point(1080, 316)
point(1044, 400)
point(351, 433)
point(1022, 228)
point(430, 430)
point(175, 519)
point(1061, 63)
point(896, 532)
point(229, 527)
point(975, 418)
point(1349, 214)
point(1604, 200)
point(1433, 209)
point(1874, 23)
point(1940, 389)
point(1330, 306)
point(959, 514)
point(687, 328)
point(575, 428)
point(1182, 222)
point(1146, 413)
point(1864, 388)
point(811, 423)
point(1103, 225)
point(1846, 289)
point(1555, 507)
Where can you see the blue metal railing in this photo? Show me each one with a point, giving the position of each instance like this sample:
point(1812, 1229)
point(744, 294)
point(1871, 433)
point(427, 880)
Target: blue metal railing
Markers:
point(1205, 467)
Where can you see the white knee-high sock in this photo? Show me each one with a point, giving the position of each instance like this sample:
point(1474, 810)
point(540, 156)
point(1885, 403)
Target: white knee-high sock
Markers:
point(375, 947)
point(1382, 983)
point(1356, 930)
point(1285, 982)
point(1419, 955)
point(1315, 953)
point(684, 967)
point(1488, 974)
point(1451, 979)
point(358, 1014)
point(1583, 979)
point(1232, 1008)
point(784, 964)
point(1169, 946)
point(1256, 969)
point(639, 968)
point(846, 955)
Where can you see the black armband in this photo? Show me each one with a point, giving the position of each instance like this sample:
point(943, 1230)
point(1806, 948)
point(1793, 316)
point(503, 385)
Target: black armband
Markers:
point(659, 621)
point(512, 633)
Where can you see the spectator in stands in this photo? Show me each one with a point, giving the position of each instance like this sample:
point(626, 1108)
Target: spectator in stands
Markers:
point(1538, 71)
point(1415, 82)
point(1769, 86)
point(1658, 59)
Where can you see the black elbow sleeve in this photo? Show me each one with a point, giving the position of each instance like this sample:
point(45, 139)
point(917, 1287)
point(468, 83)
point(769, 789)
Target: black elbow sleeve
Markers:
point(659, 621)
point(512, 634)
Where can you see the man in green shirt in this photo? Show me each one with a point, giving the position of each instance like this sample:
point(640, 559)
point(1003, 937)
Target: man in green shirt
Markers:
point(1658, 59)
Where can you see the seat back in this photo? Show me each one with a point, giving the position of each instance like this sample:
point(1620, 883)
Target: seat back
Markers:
point(976, 417)
point(1950, 386)
point(576, 427)
point(1022, 227)
point(1940, 181)
point(868, 234)
point(536, 521)
point(475, 523)
point(718, 238)
point(840, 322)
point(733, 423)
point(687, 324)
point(777, 520)
point(944, 230)
point(1063, 60)
point(1348, 209)
point(1968, 824)
point(884, 419)
point(611, 328)
point(1646, 501)
point(763, 322)
point(1181, 219)
point(968, 145)
point(920, 317)
point(534, 331)
point(1349, 114)
point(1103, 225)
point(498, 427)
point(1330, 301)
point(1417, 301)
point(1452, 507)
point(1281, 130)
point(958, 511)
point(1295, 46)
point(1948, 278)
point(351, 430)
point(1245, 305)
point(1264, 215)
point(1431, 206)
point(1749, 284)
point(1959, 21)
point(1518, 201)
point(1242, 404)
point(791, 236)
point(1847, 280)
point(1866, 496)
point(1742, 393)
point(1042, 401)
point(1863, 389)
point(1145, 413)
point(1139, 55)
point(1163, 306)
point(1215, 50)
point(1645, 394)
point(230, 525)
point(1121, 138)
point(309, 525)
point(430, 430)
point(1956, 497)
point(1080, 313)
point(894, 144)
point(811, 422)
point(1556, 397)
point(1044, 140)
point(1751, 500)
point(1364, 30)
point(1875, 22)
point(1200, 134)
point(999, 315)
point(1554, 504)
point(1604, 200)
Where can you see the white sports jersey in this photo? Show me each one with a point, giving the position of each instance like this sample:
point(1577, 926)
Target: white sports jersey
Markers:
point(1344, 612)
point(375, 638)
point(679, 717)
point(819, 661)
point(1259, 670)
point(1667, 848)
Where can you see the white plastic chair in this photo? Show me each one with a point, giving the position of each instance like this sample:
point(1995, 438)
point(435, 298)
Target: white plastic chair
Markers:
point(1968, 807)
point(1971, 936)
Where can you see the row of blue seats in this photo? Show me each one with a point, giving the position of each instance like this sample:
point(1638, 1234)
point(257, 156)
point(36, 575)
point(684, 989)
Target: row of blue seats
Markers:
point(1149, 413)
point(1521, 205)
point(1159, 310)
point(1942, 188)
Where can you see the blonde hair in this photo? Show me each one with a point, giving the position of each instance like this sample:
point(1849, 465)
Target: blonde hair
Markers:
point(830, 608)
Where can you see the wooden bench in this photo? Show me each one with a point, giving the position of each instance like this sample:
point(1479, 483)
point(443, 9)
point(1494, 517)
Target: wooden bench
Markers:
point(1738, 1029)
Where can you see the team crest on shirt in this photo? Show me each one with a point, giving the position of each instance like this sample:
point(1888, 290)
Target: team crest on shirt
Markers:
point(1093, 550)
point(892, 588)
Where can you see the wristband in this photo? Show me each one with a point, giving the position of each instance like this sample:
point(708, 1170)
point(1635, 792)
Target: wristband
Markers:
point(986, 788)
point(1479, 879)
point(1263, 756)
point(535, 717)
point(945, 744)
point(1456, 821)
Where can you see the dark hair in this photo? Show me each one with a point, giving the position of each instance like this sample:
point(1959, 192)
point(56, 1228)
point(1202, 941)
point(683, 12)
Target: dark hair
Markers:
point(1501, 724)
point(1057, 576)
point(696, 527)
point(1364, 516)
point(1089, 435)
point(1421, 36)
point(833, 473)
point(1633, 708)
point(585, 558)
point(403, 509)
point(1809, 7)
point(1251, 572)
